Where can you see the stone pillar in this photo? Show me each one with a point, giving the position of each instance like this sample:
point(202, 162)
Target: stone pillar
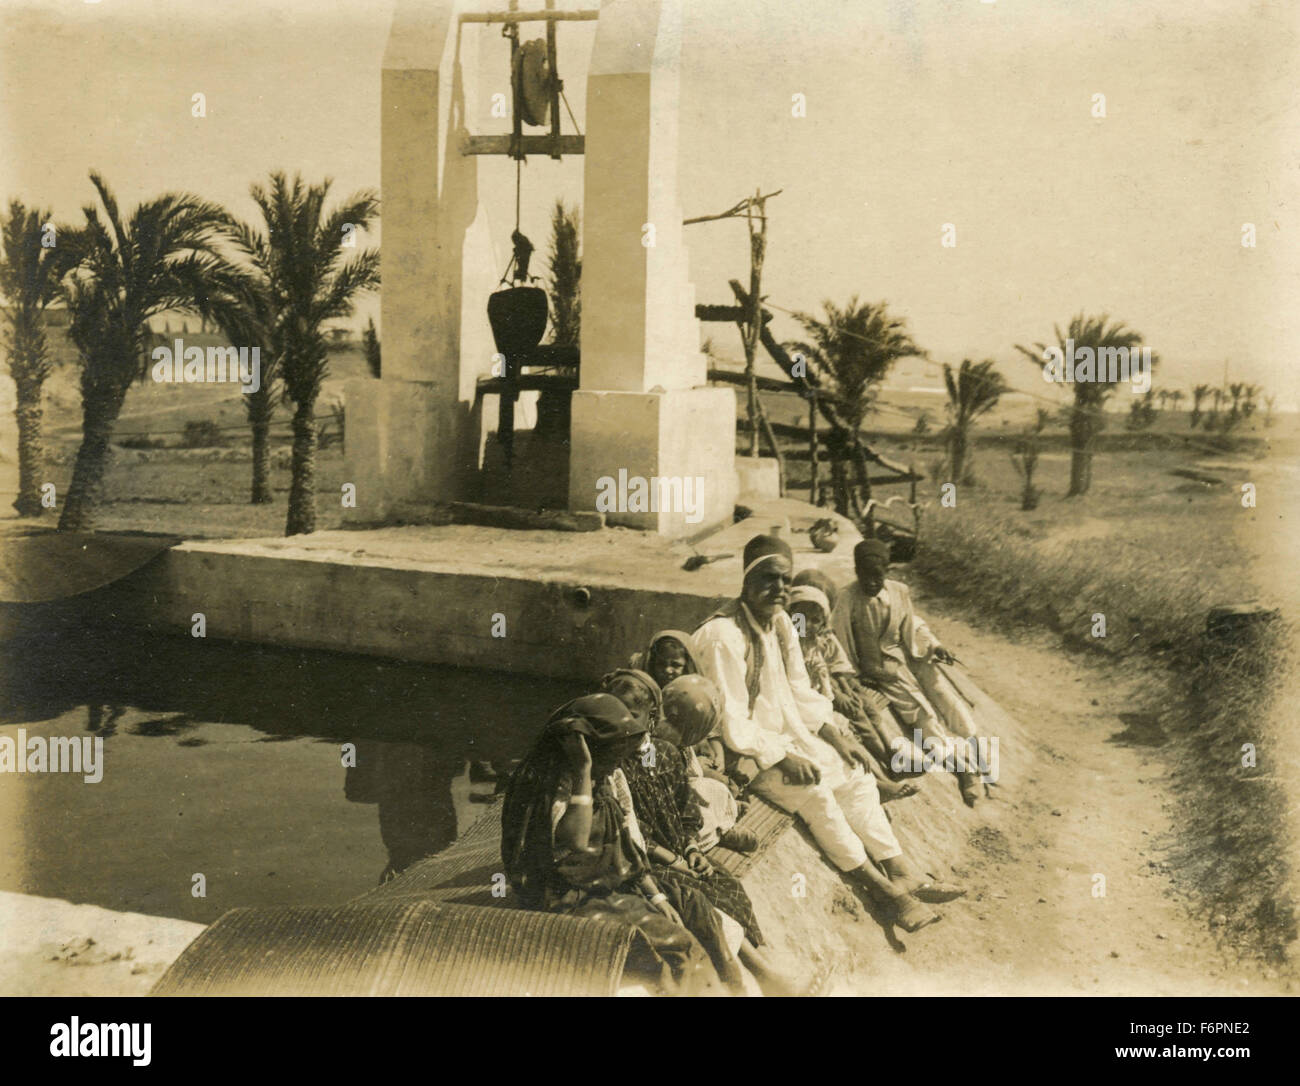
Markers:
point(643, 407)
point(414, 435)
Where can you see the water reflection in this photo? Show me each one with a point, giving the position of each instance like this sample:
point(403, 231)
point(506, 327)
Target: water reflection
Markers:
point(412, 785)
point(429, 744)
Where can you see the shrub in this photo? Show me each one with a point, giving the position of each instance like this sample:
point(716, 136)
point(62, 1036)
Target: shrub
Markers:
point(201, 434)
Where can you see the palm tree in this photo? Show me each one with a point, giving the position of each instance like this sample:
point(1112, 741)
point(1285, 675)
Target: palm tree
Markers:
point(853, 349)
point(566, 276)
point(165, 257)
point(1217, 395)
point(973, 390)
point(1142, 413)
point(1087, 417)
point(1198, 394)
point(248, 322)
point(304, 280)
point(259, 408)
point(1269, 401)
point(1163, 396)
point(1248, 395)
point(30, 273)
point(1235, 390)
point(1176, 398)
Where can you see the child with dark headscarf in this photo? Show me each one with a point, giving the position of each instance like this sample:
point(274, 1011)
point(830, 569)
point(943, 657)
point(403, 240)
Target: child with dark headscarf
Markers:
point(667, 810)
point(571, 844)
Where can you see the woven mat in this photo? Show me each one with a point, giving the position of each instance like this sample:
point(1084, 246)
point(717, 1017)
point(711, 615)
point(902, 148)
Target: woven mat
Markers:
point(436, 929)
point(461, 874)
point(395, 948)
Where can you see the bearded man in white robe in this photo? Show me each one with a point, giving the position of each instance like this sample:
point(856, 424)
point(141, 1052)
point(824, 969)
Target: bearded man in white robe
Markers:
point(783, 732)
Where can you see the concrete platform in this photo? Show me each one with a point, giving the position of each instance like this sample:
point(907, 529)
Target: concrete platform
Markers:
point(563, 605)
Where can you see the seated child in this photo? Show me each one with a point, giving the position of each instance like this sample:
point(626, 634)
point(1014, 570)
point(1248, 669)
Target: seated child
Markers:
point(854, 699)
point(692, 705)
point(670, 655)
point(667, 813)
point(854, 716)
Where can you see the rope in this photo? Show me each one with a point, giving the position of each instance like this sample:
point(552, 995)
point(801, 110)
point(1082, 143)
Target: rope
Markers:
point(574, 119)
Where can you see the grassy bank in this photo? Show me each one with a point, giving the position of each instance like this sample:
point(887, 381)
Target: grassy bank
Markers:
point(1204, 701)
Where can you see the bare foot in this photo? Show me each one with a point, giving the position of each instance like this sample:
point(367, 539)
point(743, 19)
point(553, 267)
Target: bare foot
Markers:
point(891, 790)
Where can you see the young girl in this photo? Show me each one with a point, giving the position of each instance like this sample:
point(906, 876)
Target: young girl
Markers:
point(571, 844)
point(670, 655)
point(667, 811)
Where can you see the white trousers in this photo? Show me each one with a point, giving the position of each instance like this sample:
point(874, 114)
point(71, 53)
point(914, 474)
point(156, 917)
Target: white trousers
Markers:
point(843, 813)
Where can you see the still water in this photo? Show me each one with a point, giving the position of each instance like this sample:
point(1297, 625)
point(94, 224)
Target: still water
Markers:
point(226, 760)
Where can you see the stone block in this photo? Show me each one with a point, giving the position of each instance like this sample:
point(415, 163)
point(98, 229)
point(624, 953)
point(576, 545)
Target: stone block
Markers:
point(636, 451)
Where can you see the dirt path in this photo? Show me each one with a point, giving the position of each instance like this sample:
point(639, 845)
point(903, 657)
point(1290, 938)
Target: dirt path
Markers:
point(1084, 798)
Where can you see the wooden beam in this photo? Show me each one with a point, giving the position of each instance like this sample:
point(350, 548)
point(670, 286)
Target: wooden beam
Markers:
point(552, 58)
point(527, 382)
point(738, 377)
point(528, 145)
point(730, 314)
point(580, 16)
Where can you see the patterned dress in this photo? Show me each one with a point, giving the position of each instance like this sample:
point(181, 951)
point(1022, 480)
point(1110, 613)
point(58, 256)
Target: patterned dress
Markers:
point(668, 813)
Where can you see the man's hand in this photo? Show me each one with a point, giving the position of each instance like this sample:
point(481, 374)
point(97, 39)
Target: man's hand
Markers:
point(858, 753)
point(848, 748)
point(797, 770)
point(943, 655)
point(745, 771)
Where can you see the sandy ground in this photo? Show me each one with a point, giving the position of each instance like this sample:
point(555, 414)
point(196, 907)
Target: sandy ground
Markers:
point(1077, 802)
point(50, 947)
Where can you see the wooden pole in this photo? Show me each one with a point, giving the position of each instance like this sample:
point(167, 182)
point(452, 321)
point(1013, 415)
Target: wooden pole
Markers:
point(553, 59)
point(747, 340)
point(753, 329)
point(812, 446)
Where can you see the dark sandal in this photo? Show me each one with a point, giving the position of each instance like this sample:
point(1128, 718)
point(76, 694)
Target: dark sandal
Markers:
point(913, 914)
point(938, 892)
point(739, 840)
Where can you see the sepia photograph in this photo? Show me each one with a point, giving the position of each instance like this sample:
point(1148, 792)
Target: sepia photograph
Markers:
point(650, 498)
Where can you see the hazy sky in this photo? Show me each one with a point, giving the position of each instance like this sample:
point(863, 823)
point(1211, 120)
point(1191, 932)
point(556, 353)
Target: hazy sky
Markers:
point(918, 114)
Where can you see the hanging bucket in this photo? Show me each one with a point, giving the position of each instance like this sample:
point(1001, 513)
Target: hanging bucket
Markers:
point(518, 318)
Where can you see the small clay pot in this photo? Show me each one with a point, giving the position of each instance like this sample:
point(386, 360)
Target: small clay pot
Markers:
point(824, 535)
